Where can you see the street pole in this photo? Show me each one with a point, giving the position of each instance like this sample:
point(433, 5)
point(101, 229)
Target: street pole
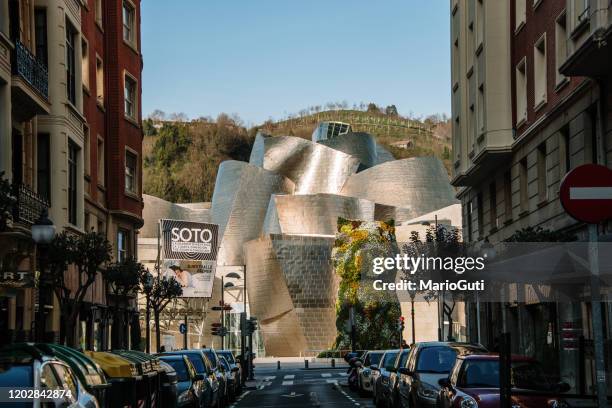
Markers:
point(148, 325)
point(222, 313)
point(412, 317)
point(352, 323)
point(600, 366)
point(243, 317)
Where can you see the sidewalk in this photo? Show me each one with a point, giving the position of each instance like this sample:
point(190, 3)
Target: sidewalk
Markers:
point(268, 363)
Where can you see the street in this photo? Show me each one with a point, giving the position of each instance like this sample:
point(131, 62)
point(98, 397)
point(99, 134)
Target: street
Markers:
point(295, 386)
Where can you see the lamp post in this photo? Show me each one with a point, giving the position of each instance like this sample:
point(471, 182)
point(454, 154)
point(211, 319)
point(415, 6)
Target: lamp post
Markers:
point(242, 320)
point(43, 232)
point(147, 287)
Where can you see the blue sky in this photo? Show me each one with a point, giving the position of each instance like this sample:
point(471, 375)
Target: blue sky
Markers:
point(267, 58)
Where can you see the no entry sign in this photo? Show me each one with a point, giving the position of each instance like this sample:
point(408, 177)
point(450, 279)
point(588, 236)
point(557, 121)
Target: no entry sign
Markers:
point(586, 193)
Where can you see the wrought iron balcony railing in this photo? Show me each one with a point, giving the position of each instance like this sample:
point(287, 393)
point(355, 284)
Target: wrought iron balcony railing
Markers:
point(27, 66)
point(29, 205)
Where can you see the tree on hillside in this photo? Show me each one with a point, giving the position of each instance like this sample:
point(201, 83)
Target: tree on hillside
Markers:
point(157, 115)
point(178, 117)
point(391, 110)
point(373, 108)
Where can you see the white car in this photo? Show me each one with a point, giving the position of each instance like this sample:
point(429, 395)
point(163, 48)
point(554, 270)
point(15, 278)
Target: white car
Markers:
point(367, 376)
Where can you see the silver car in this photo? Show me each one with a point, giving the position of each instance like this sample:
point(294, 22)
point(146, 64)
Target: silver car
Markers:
point(365, 377)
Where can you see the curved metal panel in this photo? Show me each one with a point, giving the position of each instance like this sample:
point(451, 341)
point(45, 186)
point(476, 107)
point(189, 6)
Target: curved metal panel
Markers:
point(156, 208)
point(239, 203)
point(359, 144)
point(415, 186)
point(257, 152)
point(315, 214)
point(313, 167)
point(383, 155)
point(297, 273)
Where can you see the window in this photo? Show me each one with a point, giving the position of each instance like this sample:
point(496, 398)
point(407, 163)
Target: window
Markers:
point(480, 106)
point(131, 161)
point(591, 142)
point(40, 33)
point(85, 63)
point(86, 156)
point(43, 166)
point(493, 206)
point(508, 196)
point(66, 378)
point(560, 46)
point(524, 196)
point(581, 12)
point(98, 12)
point(100, 157)
point(48, 379)
point(130, 97)
point(521, 92)
point(480, 22)
point(469, 221)
point(73, 153)
point(99, 81)
point(128, 22)
point(564, 150)
point(539, 71)
point(122, 245)
point(542, 173)
point(520, 13)
point(71, 34)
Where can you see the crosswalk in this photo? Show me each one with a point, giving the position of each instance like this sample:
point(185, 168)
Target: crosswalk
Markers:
point(301, 379)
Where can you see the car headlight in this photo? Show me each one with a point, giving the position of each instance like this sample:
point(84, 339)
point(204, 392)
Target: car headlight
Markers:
point(366, 372)
point(469, 402)
point(427, 391)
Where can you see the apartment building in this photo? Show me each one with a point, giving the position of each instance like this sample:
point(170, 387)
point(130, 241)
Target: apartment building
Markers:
point(111, 69)
point(70, 141)
point(530, 101)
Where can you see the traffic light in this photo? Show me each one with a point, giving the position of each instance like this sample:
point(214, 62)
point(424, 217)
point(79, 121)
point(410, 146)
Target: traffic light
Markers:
point(251, 325)
point(216, 329)
point(400, 324)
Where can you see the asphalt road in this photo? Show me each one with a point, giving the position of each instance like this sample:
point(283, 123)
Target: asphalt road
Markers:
point(298, 387)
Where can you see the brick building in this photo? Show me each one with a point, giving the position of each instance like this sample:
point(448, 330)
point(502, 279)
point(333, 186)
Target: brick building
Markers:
point(528, 106)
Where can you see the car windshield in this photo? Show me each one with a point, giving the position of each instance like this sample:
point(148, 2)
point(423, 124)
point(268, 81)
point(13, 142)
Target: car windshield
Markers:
point(180, 368)
point(375, 358)
point(228, 356)
point(483, 373)
point(403, 358)
point(224, 363)
point(15, 375)
point(436, 360)
point(212, 358)
point(197, 362)
point(389, 360)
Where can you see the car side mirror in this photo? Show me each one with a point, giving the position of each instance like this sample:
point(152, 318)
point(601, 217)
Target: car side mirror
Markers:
point(444, 382)
point(198, 377)
point(563, 387)
point(405, 371)
point(374, 367)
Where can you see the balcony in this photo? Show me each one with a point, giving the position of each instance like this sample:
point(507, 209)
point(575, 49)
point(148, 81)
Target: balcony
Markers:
point(30, 84)
point(29, 205)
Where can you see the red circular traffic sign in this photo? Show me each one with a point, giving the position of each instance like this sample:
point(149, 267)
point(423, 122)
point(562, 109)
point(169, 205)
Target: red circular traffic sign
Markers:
point(586, 193)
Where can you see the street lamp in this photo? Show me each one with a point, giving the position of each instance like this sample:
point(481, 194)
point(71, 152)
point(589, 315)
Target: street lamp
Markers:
point(43, 232)
point(147, 287)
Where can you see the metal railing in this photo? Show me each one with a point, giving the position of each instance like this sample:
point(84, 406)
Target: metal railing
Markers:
point(30, 68)
point(29, 205)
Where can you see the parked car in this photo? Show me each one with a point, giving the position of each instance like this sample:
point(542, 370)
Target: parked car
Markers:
point(220, 374)
point(365, 372)
point(391, 391)
point(21, 369)
point(233, 380)
point(191, 387)
point(427, 363)
point(202, 365)
point(383, 374)
point(235, 365)
point(474, 382)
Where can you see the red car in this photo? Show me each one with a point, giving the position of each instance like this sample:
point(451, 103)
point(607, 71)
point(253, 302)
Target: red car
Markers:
point(474, 383)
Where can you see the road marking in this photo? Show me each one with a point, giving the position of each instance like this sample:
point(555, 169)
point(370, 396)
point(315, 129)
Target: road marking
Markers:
point(326, 375)
point(289, 377)
point(590, 193)
point(331, 381)
point(292, 395)
point(287, 383)
point(269, 378)
point(343, 374)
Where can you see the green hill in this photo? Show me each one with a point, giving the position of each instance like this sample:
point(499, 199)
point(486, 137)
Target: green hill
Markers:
point(181, 158)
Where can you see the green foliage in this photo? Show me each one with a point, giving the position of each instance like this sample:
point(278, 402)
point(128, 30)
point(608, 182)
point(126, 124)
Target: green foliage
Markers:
point(539, 234)
point(391, 110)
point(124, 276)
point(148, 128)
point(7, 198)
point(181, 162)
point(375, 312)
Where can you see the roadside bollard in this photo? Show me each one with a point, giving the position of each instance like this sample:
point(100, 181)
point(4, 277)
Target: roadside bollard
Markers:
point(278, 365)
point(305, 363)
point(333, 363)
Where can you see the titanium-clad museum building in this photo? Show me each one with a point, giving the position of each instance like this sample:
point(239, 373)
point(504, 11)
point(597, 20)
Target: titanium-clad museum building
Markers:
point(278, 213)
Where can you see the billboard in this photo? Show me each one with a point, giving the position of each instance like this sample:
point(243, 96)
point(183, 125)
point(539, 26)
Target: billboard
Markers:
point(190, 255)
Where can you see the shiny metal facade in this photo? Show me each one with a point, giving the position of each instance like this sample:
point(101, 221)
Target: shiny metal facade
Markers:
point(292, 290)
point(156, 208)
point(414, 186)
point(360, 145)
point(239, 203)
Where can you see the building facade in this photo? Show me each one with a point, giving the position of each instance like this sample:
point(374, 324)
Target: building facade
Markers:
point(527, 107)
point(48, 113)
